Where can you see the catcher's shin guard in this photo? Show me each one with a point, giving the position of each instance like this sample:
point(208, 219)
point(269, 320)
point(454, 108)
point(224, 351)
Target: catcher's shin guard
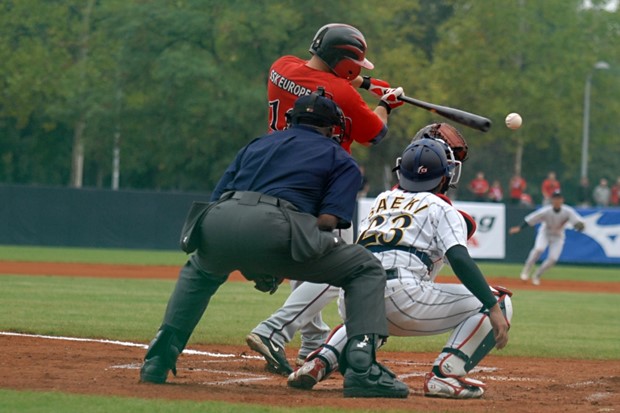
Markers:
point(472, 340)
point(162, 354)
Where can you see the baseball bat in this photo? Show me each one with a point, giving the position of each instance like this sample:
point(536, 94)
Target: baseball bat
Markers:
point(460, 116)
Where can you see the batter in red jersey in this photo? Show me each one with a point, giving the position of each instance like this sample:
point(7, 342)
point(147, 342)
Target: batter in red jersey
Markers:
point(338, 55)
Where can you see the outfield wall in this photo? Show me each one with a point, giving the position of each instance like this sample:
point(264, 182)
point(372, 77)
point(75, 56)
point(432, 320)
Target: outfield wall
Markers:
point(71, 217)
point(99, 218)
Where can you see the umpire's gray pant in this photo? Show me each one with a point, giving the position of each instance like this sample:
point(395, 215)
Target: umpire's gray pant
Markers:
point(263, 236)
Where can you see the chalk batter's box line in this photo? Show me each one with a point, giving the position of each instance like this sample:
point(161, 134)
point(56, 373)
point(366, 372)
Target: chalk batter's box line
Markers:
point(243, 356)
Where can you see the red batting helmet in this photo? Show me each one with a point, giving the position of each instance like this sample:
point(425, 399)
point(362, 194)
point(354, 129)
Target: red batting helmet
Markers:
point(342, 48)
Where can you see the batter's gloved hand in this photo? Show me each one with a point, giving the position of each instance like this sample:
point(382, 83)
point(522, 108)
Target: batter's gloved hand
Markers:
point(579, 226)
point(376, 86)
point(390, 99)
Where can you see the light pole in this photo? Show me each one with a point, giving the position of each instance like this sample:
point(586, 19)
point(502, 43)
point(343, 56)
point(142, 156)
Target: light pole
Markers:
point(585, 141)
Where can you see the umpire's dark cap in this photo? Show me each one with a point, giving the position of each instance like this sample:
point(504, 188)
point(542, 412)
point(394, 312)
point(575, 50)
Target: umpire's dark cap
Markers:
point(316, 110)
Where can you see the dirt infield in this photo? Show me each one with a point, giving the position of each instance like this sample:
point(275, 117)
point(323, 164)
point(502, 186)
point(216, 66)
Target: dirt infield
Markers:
point(235, 374)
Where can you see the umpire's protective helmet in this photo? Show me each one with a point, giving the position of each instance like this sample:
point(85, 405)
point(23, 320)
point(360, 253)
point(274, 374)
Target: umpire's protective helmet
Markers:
point(342, 48)
point(316, 109)
point(423, 165)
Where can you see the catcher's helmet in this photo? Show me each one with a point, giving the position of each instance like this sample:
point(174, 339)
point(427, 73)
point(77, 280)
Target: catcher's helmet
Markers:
point(423, 165)
point(449, 134)
point(316, 109)
point(342, 48)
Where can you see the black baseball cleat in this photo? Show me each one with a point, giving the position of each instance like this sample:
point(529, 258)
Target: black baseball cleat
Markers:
point(377, 381)
point(273, 354)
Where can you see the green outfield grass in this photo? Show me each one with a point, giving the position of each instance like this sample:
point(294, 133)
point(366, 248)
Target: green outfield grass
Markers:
point(545, 324)
point(39, 402)
point(92, 255)
point(548, 324)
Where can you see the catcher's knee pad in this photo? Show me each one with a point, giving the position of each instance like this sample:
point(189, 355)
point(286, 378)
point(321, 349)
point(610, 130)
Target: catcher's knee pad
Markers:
point(472, 340)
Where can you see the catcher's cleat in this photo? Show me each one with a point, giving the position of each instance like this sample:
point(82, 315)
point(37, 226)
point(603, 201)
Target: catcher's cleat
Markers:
point(452, 388)
point(273, 354)
point(300, 360)
point(377, 381)
point(309, 374)
point(524, 276)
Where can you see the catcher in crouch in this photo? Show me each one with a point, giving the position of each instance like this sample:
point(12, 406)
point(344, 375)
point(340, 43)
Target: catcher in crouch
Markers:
point(412, 229)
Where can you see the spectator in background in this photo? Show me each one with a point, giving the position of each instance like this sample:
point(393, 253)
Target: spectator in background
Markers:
point(548, 187)
point(614, 200)
point(601, 193)
point(583, 194)
point(526, 200)
point(479, 187)
point(517, 187)
point(496, 193)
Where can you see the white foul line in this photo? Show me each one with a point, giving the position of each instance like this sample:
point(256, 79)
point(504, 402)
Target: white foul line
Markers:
point(252, 378)
point(126, 344)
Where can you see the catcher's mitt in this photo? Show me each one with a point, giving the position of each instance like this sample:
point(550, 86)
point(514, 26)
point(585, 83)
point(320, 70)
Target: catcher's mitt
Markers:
point(449, 134)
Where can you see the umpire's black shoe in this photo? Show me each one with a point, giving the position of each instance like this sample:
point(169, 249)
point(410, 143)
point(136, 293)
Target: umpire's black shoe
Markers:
point(377, 381)
point(155, 370)
point(162, 354)
point(274, 354)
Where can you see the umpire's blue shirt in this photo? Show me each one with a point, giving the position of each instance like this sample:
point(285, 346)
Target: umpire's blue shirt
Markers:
point(300, 165)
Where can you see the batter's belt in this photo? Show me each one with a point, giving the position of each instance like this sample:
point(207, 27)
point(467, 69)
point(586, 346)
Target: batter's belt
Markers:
point(426, 260)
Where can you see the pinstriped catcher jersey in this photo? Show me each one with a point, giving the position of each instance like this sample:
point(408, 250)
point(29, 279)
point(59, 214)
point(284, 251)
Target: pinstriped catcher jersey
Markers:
point(402, 219)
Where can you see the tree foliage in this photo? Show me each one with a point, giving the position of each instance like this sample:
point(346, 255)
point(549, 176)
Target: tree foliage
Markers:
point(181, 85)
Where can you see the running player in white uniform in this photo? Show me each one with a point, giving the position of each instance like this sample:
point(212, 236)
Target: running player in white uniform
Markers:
point(553, 219)
point(412, 229)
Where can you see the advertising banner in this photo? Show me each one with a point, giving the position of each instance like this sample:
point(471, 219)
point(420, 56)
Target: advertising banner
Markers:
point(599, 243)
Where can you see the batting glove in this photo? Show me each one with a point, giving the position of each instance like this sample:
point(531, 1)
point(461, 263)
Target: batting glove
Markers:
point(376, 86)
point(390, 99)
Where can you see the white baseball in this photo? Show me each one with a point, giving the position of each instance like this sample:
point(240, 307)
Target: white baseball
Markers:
point(513, 120)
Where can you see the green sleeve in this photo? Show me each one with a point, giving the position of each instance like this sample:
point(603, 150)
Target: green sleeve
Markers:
point(470, 275)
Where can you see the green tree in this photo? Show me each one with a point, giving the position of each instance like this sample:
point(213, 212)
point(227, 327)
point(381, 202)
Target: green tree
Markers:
point(180, 86)
point(529, 57)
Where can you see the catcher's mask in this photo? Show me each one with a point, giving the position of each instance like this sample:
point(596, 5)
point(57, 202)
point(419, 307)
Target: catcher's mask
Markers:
point(424, 164)
point(342, 48)
point(317, 109)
